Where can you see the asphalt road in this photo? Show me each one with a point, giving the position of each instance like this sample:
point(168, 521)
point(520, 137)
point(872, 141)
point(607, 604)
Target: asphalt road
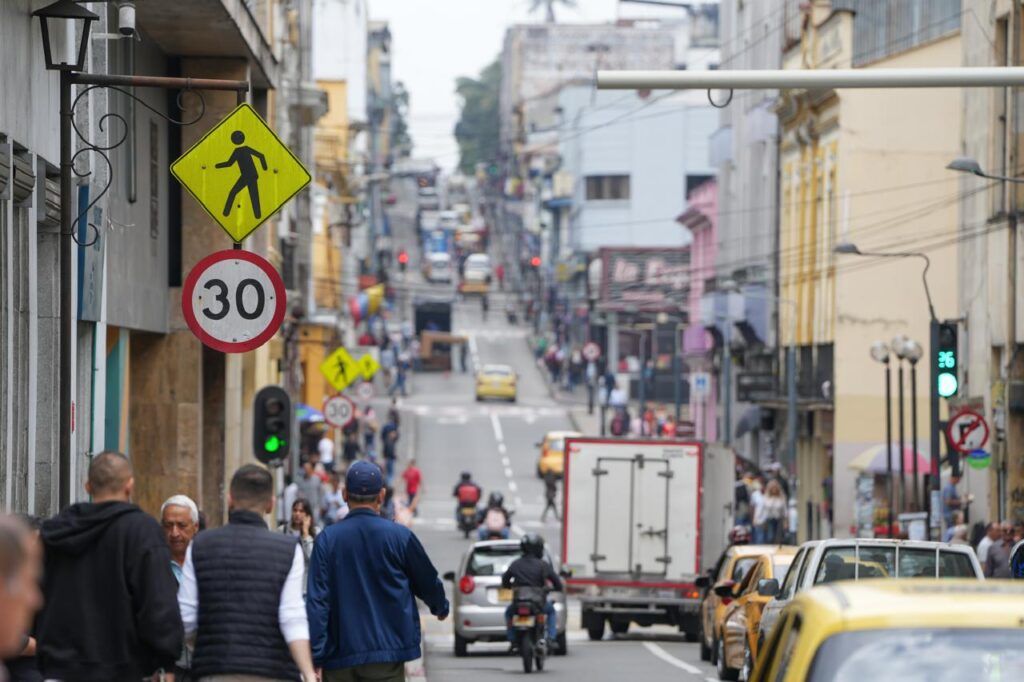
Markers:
point(448, 432)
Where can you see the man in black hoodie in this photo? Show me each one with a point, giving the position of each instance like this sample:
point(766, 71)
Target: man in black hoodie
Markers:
point(111, 609)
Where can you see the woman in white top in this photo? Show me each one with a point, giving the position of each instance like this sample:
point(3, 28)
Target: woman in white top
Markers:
point(774, 508)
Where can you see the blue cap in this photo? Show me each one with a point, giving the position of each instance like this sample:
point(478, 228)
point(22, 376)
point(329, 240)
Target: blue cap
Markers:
point(364, 479)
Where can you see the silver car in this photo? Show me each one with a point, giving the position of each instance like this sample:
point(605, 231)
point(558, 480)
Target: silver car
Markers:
point(479, 602)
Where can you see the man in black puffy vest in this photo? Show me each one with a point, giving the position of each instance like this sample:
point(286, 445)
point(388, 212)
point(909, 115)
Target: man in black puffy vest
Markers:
point(241, 593)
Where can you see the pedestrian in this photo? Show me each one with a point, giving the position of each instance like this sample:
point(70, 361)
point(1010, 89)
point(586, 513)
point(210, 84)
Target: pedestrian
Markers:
point(350, 449)
point(959, 536)
point(389, 448)
point(370, 426)
point(399, 385)
point(951, 500)
point(668, 429)
point(773, 514)
point(957, 520)
point(997, 561)
point(499, 272)
point(326, 449)
point(291, 493)
point(333, 501)
point(311, 488)
point(241, 595)
point(413, 478)
point(110, 609)
point(179, 517)
point(365, 575)
point(20, 572)
point(301, 527)
point(757, 516)
point(393, 414)
point(550, 493)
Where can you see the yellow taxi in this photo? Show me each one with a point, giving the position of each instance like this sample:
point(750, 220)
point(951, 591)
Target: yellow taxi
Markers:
point(891, 630)
point(737, 647)
point(496, 381)
point(718, 586)
point(552, 452)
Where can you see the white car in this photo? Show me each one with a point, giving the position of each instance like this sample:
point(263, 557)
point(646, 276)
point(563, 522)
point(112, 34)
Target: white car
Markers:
point(477, 268)
point(826, 561)
point(438, 267)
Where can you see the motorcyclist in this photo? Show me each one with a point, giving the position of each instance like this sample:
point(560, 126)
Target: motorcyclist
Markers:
point(494, 519)
point(533, 570)
point(467, 493)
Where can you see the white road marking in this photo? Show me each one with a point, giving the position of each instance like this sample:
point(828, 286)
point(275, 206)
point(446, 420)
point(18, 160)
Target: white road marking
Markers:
point(473, 354)
point(496, 425)
point(512, 486)
point(502, 449)
point(508, 472)
point(519, 502)
point(448, 421)
point(506, 462)
point(670, 659)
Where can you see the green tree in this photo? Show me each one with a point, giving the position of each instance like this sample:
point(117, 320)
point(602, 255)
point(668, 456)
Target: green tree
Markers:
point(478, 130)
point(549, 6)
point(401, 140)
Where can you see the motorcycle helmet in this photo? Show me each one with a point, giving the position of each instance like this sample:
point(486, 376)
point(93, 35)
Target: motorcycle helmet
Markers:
point(466, 476)
point(496, 500)
point(532, 545)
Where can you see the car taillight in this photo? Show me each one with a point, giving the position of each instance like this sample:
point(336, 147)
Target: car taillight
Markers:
point(693, 594)
point(467, 584)
point(523, 611)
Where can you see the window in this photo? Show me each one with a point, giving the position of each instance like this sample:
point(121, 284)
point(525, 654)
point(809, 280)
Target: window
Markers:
point(920, 655)
point(786, 647)
point(956, 565)
point(846, 563)
point(607, 187)
point(695, 181)
point(742, 565)
point(789, 584)
point(751, 578)
point(492, 560)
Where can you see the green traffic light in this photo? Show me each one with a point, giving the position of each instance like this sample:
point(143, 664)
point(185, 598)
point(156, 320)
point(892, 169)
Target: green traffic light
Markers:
point(947, 384)
point(273, 444)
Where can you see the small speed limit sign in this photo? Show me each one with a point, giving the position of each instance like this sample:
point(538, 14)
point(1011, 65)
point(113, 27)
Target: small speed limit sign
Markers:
point(233, 301)
point(591, 351)
point(339, 411)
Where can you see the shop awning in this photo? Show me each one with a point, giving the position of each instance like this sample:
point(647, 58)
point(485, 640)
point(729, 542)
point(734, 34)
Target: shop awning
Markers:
point(307, 414)
point(874, 460)
point(749, 421)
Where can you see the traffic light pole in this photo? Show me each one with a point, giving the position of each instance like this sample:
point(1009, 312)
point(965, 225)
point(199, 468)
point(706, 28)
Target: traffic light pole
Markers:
point(933, 501)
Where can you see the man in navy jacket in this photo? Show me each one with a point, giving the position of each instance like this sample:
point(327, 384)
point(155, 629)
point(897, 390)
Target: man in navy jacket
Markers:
point(364, 576)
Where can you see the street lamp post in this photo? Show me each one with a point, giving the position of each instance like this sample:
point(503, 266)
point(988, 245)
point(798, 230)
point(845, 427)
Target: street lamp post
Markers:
point(880, 353)
point(898, 348)
point(913, 352)
point(77, 21)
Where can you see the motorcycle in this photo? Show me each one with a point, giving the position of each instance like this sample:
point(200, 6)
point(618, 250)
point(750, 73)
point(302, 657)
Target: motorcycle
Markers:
point(467, 519)
point(529, 626)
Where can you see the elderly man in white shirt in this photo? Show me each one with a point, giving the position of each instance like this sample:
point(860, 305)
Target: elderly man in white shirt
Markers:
point(992, 535)
point(241, 593)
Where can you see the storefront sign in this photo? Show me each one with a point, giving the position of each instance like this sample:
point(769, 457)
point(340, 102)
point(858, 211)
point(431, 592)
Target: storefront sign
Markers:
point(644, 279)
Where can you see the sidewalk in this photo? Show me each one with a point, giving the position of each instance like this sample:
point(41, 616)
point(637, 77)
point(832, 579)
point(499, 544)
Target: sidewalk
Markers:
point(575, 402)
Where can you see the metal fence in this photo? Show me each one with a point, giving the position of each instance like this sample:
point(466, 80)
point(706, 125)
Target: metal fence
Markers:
point(882, 28)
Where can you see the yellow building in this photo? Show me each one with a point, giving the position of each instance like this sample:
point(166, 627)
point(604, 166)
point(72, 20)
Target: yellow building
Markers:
point(865, 167)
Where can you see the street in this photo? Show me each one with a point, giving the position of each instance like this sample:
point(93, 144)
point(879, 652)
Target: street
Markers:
point(449, 432)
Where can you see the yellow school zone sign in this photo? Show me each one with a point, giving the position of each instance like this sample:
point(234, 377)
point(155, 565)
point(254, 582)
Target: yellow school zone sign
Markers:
point(340, 369)
point(240, 172)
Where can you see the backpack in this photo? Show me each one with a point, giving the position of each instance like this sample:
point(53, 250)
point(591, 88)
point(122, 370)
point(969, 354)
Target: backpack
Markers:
point(618, 426)
point(468, 494)
point(495, 520)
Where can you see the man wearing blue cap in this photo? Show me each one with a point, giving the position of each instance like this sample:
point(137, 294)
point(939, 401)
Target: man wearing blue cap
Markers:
point(364, 576)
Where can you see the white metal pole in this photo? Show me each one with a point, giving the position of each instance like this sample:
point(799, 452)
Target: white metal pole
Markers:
point(771, 79)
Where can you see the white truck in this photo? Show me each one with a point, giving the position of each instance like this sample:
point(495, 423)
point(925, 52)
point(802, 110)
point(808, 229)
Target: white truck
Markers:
point(638, 529)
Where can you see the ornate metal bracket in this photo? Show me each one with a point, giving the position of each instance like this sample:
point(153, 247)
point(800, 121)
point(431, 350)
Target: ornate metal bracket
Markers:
point(88, 146)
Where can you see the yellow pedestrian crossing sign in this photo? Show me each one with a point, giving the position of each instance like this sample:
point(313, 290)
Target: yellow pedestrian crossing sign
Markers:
point(368, 365)
point(340, 369)
point(240, 172)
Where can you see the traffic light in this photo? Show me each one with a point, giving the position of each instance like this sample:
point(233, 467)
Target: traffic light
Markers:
point(272, 424)
point(946, 360)
point(535, 262)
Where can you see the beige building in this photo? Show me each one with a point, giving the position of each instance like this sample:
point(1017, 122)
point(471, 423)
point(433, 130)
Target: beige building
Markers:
point(864, 167)
point(990, 301)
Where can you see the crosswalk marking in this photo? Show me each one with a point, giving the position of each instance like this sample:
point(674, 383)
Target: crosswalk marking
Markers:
point(525, 412)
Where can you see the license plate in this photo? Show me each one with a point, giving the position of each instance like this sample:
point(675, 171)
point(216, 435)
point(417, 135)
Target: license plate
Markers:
point(523, 621)
point(505, 594)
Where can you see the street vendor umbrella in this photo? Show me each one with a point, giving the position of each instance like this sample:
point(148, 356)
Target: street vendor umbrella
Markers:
point(307, 414)
point(874, 460)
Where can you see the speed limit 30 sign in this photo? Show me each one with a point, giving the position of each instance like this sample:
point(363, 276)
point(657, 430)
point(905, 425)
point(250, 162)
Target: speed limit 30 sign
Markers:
point(233, 301)
point(339, 411)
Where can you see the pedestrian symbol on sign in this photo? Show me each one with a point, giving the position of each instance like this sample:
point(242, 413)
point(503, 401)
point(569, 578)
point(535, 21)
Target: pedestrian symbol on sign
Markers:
point(248, 176)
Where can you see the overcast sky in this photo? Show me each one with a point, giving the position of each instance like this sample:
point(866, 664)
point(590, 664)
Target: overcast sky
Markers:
point(436, 41)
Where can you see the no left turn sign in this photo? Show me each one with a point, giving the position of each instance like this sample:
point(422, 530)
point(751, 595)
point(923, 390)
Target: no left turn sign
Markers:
point(339, 411)
point(591, 351)
point(233, 301)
